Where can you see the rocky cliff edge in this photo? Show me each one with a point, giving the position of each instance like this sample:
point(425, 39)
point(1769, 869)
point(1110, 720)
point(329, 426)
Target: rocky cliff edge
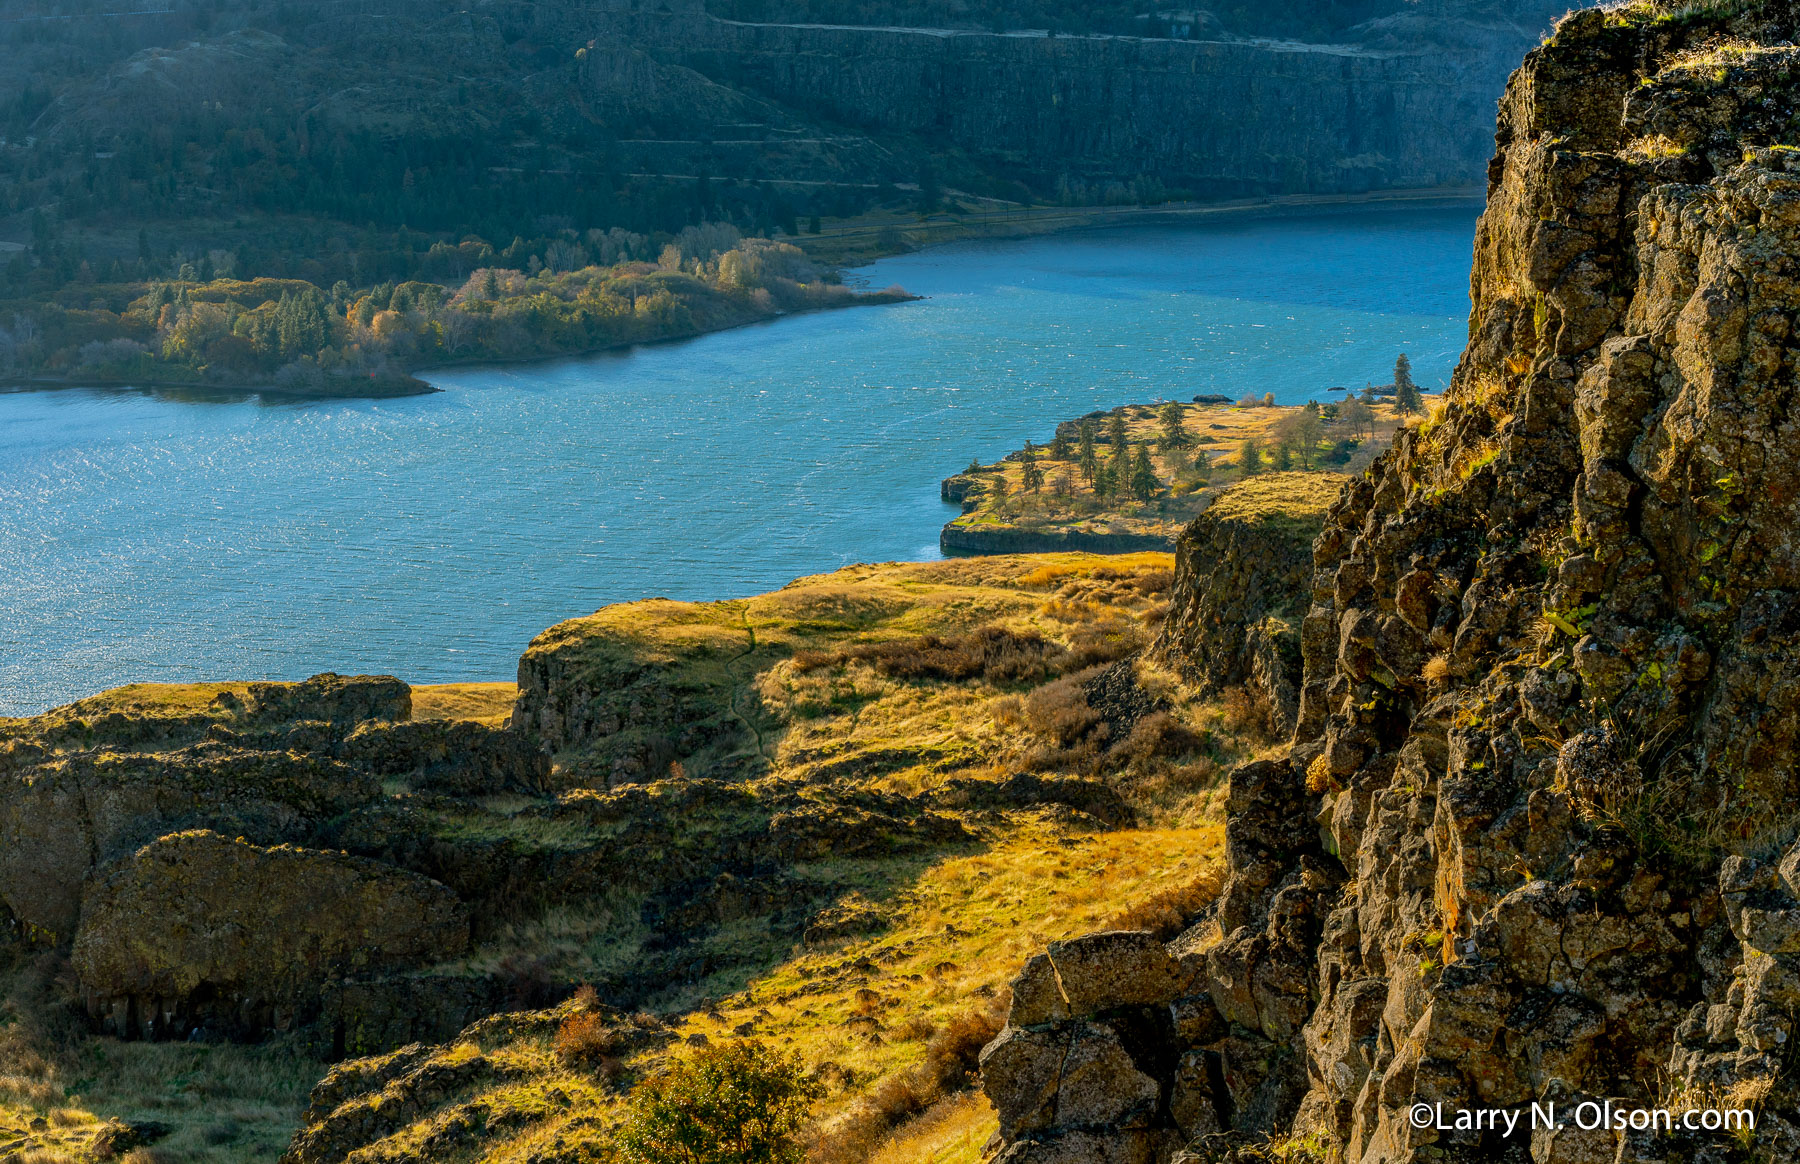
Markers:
point(1533, 841)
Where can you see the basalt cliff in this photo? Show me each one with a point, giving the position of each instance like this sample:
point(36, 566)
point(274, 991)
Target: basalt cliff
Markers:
point(1533, 841)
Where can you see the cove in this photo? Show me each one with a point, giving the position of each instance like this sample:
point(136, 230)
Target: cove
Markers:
point(146, 536)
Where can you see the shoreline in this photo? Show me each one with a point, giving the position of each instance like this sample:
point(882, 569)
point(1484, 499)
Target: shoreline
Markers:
point(860, 244)
point(865, 247)
point(413, 383)
point(868, 299)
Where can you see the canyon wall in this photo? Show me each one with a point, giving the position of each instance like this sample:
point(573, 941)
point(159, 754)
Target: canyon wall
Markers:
point(1534, 839)
point(1216, 118)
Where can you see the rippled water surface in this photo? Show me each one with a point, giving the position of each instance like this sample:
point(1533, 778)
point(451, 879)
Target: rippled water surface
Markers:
point(146, 537)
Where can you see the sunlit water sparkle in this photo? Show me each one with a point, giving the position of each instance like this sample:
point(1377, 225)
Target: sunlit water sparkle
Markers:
point(148, 537)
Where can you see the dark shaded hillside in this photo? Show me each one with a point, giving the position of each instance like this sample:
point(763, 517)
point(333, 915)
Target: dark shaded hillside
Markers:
point(358, 135)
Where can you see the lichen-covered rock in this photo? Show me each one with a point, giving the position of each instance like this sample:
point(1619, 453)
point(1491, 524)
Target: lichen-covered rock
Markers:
point(1242, 571)
point(1546, 691)
point(1106, 1054)
point(337, 699)
point(1117, 968)
point(195, 928)
point(1533, 839)
point(60, 819)
point(458, 757)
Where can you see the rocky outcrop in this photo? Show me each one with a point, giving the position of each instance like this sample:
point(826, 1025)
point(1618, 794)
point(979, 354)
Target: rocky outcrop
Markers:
point(61, 819)
point(331, 698)
point(1534, 838)
point(195, 930)
point(1105, 1054)
point(1241, 573)
point(113, 819)
point(360, 1102)
point(457, 757)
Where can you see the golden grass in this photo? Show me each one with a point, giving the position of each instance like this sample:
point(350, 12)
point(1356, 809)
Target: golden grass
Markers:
point(951, 929)
point(146, 699)
point(732, 660)
point(1275, 496)
point(952, 1131)
point(489, 703)
point(1218, 431)
point(958, 934)
point(225, 1103)
point(860, 1012)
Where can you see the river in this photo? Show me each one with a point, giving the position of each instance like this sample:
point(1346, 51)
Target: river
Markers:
point(149, 536)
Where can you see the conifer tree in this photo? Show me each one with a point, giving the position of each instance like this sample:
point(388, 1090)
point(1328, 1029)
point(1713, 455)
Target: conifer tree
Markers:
point(1144, 482)
point(1060, 448)
point(1115, 430)
point(1408, 401)
point(1173, 434)
point(1032, 475)
point(1089, 460)
point(1249, 457)
point(1103, 481)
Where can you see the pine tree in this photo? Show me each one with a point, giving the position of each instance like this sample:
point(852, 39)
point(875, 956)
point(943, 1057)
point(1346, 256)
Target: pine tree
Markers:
point(1249, 458)
point(1407, 398)
point(490, 287)
point(1281, 458)
point(1173, 434)
point(1144, 482)
point(1089, 460)
point(1059, 445)
point(1115, 430)
point(1032, 475)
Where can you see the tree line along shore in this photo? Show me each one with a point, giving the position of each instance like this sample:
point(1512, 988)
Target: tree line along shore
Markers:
point(206, 328)
point(1132, 477)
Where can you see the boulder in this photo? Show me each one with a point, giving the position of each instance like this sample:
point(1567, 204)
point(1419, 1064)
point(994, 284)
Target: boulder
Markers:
point(337, 699)
point(1117, 968)
point(196, 928)
point(59, 820)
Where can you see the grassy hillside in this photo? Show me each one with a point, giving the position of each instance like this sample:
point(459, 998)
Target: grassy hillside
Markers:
point(834, 818)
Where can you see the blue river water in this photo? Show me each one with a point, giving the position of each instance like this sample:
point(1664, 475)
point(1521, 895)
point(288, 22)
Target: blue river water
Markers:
point(145, 536)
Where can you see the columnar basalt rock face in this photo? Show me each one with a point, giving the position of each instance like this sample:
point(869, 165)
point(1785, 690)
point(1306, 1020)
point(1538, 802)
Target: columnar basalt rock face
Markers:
point(1241, 572)
point(1099, 1059)
point(198, 930)
point(1534, 840)
point(1546, 656)
point(1221, 118)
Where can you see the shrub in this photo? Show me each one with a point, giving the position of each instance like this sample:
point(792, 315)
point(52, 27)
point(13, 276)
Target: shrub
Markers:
point(1158, 734)
point(582, 1040)
point(735, 1103)
point(1105, 640)
point(1060, 712)
point(951, 1058)
point(1241, 713)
